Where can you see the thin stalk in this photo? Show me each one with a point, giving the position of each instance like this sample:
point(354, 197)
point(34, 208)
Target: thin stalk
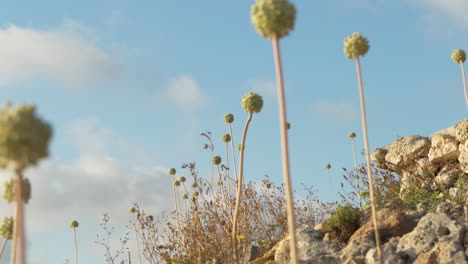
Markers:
point(233, 152)
point(175, 205)
point(136, 236)
point(239, 190)
point(18, 226)
point(221, 187)
point(76, 247)
point(464, 82)
point(368, 162)
point(285, 152)
point(356, 171)
point(228, 178)
point(3, 247)
point(331, 187)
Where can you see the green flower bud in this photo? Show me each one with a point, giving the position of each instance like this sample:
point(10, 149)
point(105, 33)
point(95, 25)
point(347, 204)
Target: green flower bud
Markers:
point(226, 138)
point(239, 147)
point(216, 160)
point(74, 224)
point(132, 210)
point(458, 56)
point(185, 196)
point(24, 137)
point(328, 166)
point(219, 183)
point(352, 135)
point(6, 228)
point(273, 17)
point(252, 103)
point(194, 185)
point(288, 125)
point(364, 194)
point(355, 45)
point(172, 171)
point(182, 179)
point(229, 118)
point(195, 194)
point(142, 227)
point(168, 223)
point(9, 190)
point(268, 185)
point(177, 183)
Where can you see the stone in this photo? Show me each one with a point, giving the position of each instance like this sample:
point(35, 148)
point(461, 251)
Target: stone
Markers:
point(446, 176)
point(463, 157)
point(406, 150)
point(443, 148)
point(443, 253)
point(461, 131)
point(390, 255)
point(357, 248)
point(448, 131)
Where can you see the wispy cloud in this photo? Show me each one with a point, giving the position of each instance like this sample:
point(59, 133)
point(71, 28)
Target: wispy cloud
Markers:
point(264, 87)
point(333, 111)
point(184, 92)
point(61, 55)
point(454, 10)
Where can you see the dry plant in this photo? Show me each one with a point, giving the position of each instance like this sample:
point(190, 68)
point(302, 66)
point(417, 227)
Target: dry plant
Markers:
point(74, 224)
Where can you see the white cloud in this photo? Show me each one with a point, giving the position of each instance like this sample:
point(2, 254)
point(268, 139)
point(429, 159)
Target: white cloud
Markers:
point(61, 55)
point(335, 111)
point(184, 92)
point(454, 9)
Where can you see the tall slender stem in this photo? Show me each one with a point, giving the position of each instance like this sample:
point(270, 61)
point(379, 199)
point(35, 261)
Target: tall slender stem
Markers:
point(136, 236)
point(331, 187)
point(18, 226)
point(3, 247)
point(228, 179)
point(239, 190)
point(76, 246)
point(368, 162)
point(464, 82)
point(356, 171)
point(285, 151)
point(233, 153)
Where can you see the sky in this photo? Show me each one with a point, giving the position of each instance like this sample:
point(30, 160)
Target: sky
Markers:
point(128, 87)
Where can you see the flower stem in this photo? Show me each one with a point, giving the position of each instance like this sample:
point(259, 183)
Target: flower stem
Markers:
point(368, 162)
point(228, 179)
point(331, 187)
point(239, 190)
point(285, 152)
point(233, 152)
point(356, 171)
point(136, 236)
point(464, 82)
point(3, 247)
point(76, 247)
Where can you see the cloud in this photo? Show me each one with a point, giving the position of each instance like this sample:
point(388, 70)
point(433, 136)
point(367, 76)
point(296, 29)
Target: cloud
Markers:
point(453, 9)
point(62, 55)
point(264, 87)
point(335, 111)
point(184, 92)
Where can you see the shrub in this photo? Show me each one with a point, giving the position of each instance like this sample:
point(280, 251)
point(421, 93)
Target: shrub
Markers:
point(343, 222)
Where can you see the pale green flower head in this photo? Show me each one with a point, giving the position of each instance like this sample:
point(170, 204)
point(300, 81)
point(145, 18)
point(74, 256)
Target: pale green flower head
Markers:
point(226, 138)
point(182, 179)
point(177, 183)
point(219, 183)
point(458, 56)
point(328, 166)
point(252, 103)
point(6, 228)
point(216, 160)
point(132, 210)
point(24, 137)
point(273, 17)
point(9, 190)
point(195, 194)
point(194, 185)
point(229, 118)
point(74, 224)
point(355, 45)
point(172, 171)
point(185, 196)
point(352, 135)
point(268, 185)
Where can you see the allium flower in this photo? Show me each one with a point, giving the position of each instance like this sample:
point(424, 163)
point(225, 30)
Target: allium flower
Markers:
point(352, 135)
point(216, 160)
point(177, 183)
point(132, 210)
point(328, 166)
point(226, 138)
point(194, 185)
point(150, 218)
point(219, 183)
point(9, 190)
point(252, 103)
point(74, 224)
point(355, 45)
point(185, 196)
point(182, 179)
point(458, 56)
point(229, 118)
point(24, 137)
point(172, 171)
point(268, 185)
point(195, 194)
point(6, 228)
point(273, 17)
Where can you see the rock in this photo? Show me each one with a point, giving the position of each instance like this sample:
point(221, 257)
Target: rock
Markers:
point(322, 227)
point(461, 131)
point(463, 158)
point(406, 150)
point(448, 131)
point(443, 148)
point(379, 157)
point(433, 229)
point(357, 248)
point(446, 176)
point(311, 249)
point(443, 253)
point(389, 253)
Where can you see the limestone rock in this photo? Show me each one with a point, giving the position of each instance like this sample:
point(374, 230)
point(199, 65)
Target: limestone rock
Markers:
point(448, 131)
point(463, 158)
point(357, 248)
point(443, 148)
point(406, 150)
point(389, 253)
point(443, 253)
point(447, 176)
point(461, 131)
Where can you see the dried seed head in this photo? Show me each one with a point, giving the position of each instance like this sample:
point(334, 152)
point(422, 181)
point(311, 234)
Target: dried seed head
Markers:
point(182, 179)
point(268, 185)
point(74, 224)
point(172, 171)
point(195, 194)
point(194, 185)
point(185, 196)
point(288, 125)
point(132, 210)
point(177, 183)
point(226, 138)
point(6, 228)
point(229, 118)
point(273, 17)
point(355, 45)
point(150, 218)
point(458, 56)
point(216, 160)
point(219, 183)
point(252, 103)
point(352, 135)
point(142, 227)
point(328, 166)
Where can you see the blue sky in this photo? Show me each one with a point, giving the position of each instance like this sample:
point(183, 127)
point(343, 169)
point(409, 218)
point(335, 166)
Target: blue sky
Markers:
point(129, 86)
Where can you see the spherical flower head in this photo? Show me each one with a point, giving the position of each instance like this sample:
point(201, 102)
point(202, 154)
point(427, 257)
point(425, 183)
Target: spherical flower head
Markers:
point(229, 118)
point(182, 179)
point(177, 183)
point(288, 125)
point(352, 135)
point(216, 160)
point(328, 166)
point(9, 190)
point(252, 103)
point(24, 137)
point(219, 183)
point(6, 228)
point(142, 227)
point(273, 17)
point(132, 210)
point(195, 194)
point(194, 185)
point(168, 223)
point(172, 171)
point(268, 185)
point(458, 56)
point(226, 138)
point(185, 196)
point(74, 224)
point(355, 45)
